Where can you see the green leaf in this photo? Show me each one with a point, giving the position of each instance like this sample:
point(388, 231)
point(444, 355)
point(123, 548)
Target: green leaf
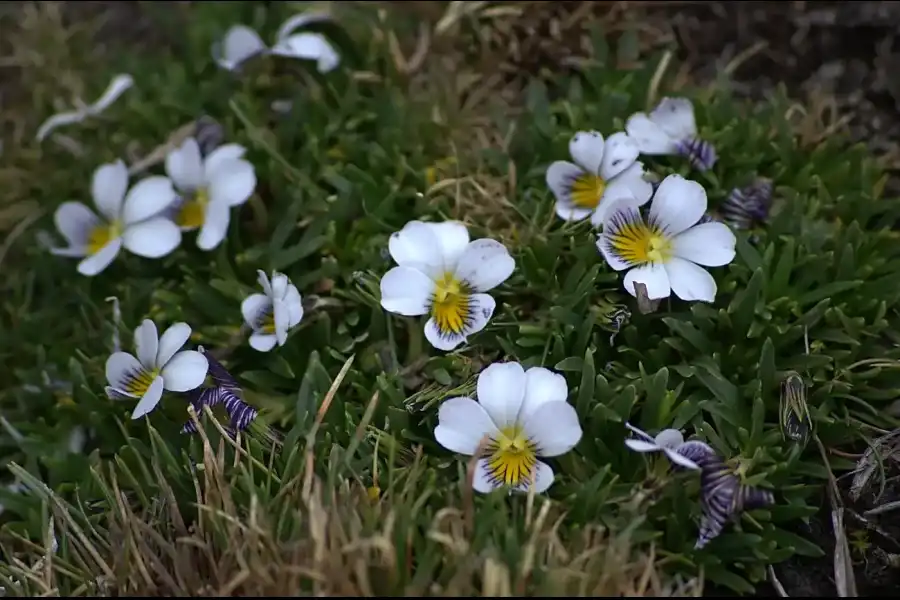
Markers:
point(586, 396)
point(744, 305)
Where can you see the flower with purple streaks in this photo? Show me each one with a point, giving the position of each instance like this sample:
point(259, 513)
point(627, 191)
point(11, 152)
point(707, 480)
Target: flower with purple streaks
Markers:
point(671, 130)
point(226, 391)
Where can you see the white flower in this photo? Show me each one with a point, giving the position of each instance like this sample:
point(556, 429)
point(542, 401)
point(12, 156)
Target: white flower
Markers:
point(522, 415)
point(444, 275)
point(131, 220)
point(242, 43)
point(159, 366)
point(116, 88)
point(602, 173)
point(668, 441)
point(671, 129)
point(272, 314)
point(209, 187)
point(664, 252)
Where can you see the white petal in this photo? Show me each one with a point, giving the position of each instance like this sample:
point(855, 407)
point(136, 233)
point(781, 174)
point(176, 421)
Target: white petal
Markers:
point(643, 434)
point(630, 182)
point(171, 342)
point(481, 308)
point(280, 317)
point(75, 221)
point(240, 43)
point(542, 386)
point(611, 204)
point(669, 438)
point(570, 212)
point(232, 182)
point(185, 371)
point(678, 204)
point(148, 198)
point(501, 391)
point(263, 280)
point(406, 291)
point(146, 344)
point(108, 189)
point(309, 46)
point(119, 368)
point(118, 86)
point(262, 342)
point(280, 284)
point(689, 281)
point(149, 400)
point(299, 20)
point(560, 176)
point(294, 304)
point(184, 166)
point(441, 341)
point(485, 264)
point(676, 117)
point(429, 247)
point(622, 215)
point(642, 446)
point(253, 306)
point(554, 427)
point(653, 276)
point(680, 460)
point(215, 226)
point(543, 479)
point(153, 238)
point(95, 263)
point(482, 482)
point(586, 148)
point(650, 138)
point(223, 154)
point(620, 152)
point(462, 425)
point(707, 244)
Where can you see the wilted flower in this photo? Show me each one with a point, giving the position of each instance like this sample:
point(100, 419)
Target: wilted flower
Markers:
point(665, 252)
point(159, 366)
point(671, 129)
point(272, 314)
point(242, 43)
point(444, 275)
point(208, 188)
point(521, 415)
point(668, 441)
point(603, 172)
point(131, 220)
point(116, 88)
point(747, 205)
point(722, 495)
point(794, 418)
point(226, 391)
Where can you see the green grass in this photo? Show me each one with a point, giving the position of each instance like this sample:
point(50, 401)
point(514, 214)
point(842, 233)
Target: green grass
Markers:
point(364, 150)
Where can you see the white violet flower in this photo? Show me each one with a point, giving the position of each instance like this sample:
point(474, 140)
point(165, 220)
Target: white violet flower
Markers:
point(208, 188)
point(521, 415)
point(603, 172)
point(242, 43)
point(668, 441)
point(665, 252)
point(272, 314)
point(118, 86)
point(670, 129)
point(131, 220)
point(159, 366)
point(444, 275)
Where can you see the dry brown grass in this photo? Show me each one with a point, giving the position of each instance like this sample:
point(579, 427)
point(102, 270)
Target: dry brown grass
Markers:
point(309, 537)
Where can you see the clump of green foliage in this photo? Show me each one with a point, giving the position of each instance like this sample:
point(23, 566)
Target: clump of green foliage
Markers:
point(350, 402)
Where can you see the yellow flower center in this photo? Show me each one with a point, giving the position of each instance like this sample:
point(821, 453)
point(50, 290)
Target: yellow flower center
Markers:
point(450, 304)
point(193, 211)
point(639, 243)
point(103, 234)
point(138, 383)
point(587, 190)
point(267, 323)
point(511, 457)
